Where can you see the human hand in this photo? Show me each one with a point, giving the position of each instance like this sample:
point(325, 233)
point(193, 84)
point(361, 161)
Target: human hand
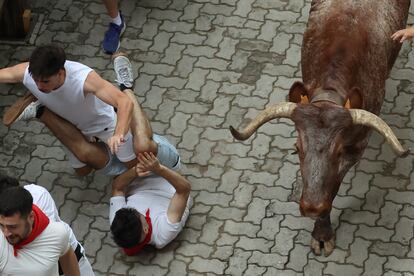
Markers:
point(115, 141)
point(147, 162)
point(403, 34)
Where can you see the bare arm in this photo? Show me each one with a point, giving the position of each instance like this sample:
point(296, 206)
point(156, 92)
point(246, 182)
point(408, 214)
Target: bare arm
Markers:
point(121, 181)
point(113, 96)
point(69, 263)
point(182, 187)
point(118, 199)
point(13, 74)
point(403, 34)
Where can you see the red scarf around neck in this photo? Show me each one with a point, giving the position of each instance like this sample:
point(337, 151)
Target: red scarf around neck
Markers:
point(135, 249)
point(41, 221)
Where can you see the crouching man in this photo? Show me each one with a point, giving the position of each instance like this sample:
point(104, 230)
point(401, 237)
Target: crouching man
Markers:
point(31, 244)
point(149, 205)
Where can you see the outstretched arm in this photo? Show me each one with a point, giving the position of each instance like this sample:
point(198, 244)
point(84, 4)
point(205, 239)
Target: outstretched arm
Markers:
point(113, 96)
point(403, 34)
point(13, 74)
point(178, 203)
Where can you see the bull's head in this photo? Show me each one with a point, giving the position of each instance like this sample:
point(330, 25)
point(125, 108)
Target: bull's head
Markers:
point(327, 144)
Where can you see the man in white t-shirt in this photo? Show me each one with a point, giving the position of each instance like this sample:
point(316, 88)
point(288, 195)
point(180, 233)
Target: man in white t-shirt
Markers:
point(149, 205)
point(78, 94)
point(63, 90)
point(31, 244)
point(43, 200)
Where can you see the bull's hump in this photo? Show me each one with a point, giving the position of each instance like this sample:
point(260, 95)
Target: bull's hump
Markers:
point(350, 41)
point(376, 15)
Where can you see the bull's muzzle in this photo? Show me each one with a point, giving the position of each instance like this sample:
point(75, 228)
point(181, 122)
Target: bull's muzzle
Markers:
point(314, 210)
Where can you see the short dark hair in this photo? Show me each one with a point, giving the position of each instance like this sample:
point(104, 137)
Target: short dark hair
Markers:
point(7, 182)
point(46, 61)
point(126, 228)
point(15, 200)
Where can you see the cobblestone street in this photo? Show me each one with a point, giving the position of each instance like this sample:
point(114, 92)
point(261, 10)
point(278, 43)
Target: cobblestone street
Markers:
point(201, 66)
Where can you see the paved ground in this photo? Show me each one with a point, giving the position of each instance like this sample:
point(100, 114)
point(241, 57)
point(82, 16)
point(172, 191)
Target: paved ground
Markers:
point(203, 65)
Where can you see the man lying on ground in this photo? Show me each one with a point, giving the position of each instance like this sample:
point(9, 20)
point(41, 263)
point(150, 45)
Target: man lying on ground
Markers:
point(149, 205)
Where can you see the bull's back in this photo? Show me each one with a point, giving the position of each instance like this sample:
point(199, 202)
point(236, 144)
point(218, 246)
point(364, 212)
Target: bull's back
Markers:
point(356, 35)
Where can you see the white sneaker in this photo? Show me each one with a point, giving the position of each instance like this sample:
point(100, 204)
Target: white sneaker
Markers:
point(29, 112)
point(123, 70)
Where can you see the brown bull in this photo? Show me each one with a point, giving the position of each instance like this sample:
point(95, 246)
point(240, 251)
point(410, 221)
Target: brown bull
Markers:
point(347, 54)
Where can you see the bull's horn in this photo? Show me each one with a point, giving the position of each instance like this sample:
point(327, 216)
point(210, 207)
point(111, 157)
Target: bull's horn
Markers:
point(279, 110)
point(366, 118)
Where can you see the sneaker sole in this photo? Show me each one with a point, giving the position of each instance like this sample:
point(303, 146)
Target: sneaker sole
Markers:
point(17, 108)
point(118, 54)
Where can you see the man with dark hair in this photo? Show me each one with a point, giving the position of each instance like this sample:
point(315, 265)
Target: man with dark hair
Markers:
point(77, 94)
point(7, 182)
point(149, 205)
point(46, 61)
point(30, 244)
point(43, 200)
point(126, 228)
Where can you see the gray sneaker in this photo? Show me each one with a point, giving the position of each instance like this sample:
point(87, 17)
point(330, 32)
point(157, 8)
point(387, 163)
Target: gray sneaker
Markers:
point(123, 70)
point(29, 112)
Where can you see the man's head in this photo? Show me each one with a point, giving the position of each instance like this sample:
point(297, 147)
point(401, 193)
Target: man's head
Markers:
point(46, 66)
point(126, 228)
point(16, 215)
point(7, 182)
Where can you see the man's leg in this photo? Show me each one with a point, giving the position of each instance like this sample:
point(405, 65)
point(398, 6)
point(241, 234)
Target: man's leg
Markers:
point(143, 138)
point(116, 28)
point(141, 131)
point(112, 7)
point(92, 154)
point(140, 128)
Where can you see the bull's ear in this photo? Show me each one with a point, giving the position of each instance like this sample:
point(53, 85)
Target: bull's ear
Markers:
point(297, 90)
point(355, 98)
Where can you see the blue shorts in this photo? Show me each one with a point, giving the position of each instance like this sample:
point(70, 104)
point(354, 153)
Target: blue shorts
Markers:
point(167, 155)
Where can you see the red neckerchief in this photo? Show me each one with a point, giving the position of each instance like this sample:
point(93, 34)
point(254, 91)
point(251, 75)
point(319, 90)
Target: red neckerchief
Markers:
point(136, 248)
point(41, 221)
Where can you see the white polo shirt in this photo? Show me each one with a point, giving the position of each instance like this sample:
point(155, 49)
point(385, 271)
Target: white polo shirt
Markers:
point(38, 258)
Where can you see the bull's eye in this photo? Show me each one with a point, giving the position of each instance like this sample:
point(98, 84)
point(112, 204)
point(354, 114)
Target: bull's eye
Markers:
point(339, 151)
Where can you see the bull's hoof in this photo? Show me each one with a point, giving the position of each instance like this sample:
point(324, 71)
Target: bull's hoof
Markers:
point(316, 247)
point(327, 246)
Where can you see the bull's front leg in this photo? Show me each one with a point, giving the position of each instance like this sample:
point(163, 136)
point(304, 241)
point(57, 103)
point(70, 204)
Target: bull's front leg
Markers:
point(323, 236)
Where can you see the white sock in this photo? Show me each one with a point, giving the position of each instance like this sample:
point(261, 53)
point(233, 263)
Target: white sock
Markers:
point(117, 20)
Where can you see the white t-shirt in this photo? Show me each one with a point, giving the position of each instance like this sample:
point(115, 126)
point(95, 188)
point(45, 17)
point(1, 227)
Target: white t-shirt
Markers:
point(40, 257)
point(89, 114)
point(154, 193)
point(43, 200)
